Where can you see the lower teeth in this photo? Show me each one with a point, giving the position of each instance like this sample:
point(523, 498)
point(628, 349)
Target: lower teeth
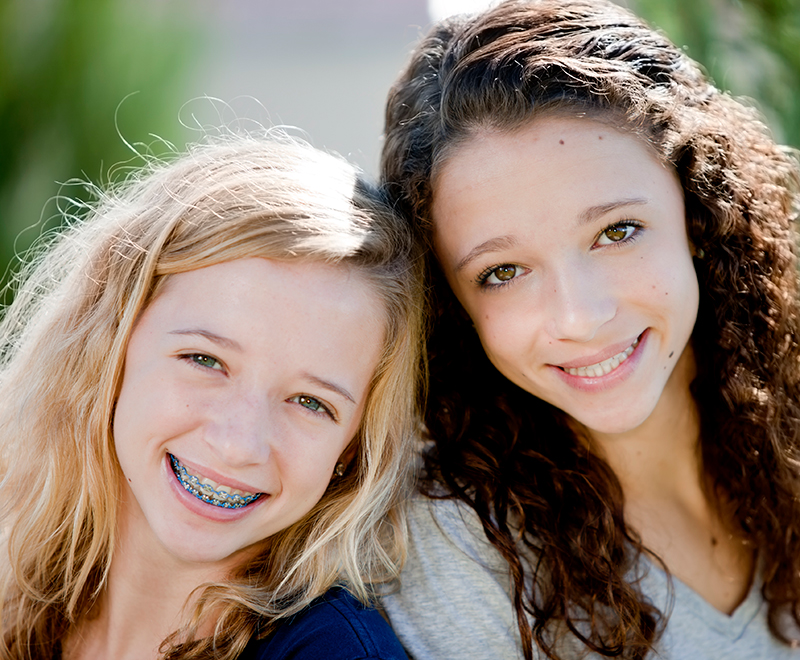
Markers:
point(206, 493)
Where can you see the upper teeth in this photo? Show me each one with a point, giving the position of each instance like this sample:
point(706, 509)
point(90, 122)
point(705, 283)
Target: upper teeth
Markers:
point(606, 366)
point(210, 491)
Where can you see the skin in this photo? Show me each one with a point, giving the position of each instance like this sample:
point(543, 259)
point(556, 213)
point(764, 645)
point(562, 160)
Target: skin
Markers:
point(565, 241)
point(253, 373)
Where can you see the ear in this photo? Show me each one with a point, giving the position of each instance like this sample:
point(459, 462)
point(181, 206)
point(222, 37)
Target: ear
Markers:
point(349, 453)
point(696, 252)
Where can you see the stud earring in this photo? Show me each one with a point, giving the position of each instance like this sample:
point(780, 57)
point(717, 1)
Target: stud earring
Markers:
point(338, 471)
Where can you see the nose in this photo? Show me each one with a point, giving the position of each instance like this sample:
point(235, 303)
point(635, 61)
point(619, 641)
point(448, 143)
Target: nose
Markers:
point(581, 302)
point(241, 430)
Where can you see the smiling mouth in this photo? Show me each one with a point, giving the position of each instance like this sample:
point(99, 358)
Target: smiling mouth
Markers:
point(606, 366)
point(210, 491)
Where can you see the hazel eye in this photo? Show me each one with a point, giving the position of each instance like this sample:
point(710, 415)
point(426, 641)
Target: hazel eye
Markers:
point(618, 233)
point(505, 273)
point(499, 275)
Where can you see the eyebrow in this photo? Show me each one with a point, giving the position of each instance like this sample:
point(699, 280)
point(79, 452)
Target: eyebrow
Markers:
point(333, 387)
point(506, 242)
point(594, 212)
point(492, 245)
point(225, 342)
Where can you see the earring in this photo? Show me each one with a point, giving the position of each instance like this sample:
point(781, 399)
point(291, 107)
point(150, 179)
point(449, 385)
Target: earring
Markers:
point(338, 471)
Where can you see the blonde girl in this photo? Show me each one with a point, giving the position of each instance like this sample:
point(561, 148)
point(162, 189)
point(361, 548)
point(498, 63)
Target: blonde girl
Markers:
point(207, 404)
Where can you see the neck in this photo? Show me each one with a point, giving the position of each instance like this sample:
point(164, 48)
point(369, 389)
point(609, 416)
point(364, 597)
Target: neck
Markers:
point(148, 596)
point(668, 502)
point(661, 457)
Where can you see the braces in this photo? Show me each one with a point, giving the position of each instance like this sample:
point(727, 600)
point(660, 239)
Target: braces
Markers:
point(207, 493)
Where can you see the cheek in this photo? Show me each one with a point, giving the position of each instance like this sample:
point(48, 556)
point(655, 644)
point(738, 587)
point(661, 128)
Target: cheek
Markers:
point(123, 419)
point(307, 469)
point(507, 341)
point(676, 287)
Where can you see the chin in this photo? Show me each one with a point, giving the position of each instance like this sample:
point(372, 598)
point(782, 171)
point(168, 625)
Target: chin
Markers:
point(614, 424)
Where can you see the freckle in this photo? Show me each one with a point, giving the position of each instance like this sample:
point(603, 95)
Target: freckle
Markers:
point(599, 137)
point(671, 354)
point(561, 141)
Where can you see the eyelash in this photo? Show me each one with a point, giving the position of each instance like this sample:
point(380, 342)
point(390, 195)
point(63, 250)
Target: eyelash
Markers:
point(194, 360)
point(484, 275)
point(323, 411)
point(480, 280)
point(622, 224)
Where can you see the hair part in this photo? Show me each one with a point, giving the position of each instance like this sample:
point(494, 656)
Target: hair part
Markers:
point(512, 457)
point(62, 351)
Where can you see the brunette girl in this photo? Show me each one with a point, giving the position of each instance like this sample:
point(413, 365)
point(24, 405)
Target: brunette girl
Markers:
point(613, 407)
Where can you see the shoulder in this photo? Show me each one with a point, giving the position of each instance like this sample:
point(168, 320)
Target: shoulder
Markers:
point(453, 570)
point(445, 526)
point(336, 626)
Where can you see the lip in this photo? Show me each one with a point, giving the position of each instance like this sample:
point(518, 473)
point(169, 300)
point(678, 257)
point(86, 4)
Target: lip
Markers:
point(204, 509)
point(598, 383)
point(600, 356)
point(216, 476)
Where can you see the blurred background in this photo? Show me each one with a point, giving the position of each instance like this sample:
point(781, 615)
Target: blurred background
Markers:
point(86, 84)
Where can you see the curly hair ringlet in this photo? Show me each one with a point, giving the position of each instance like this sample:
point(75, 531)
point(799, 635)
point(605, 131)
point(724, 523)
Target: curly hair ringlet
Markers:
point(550, 507)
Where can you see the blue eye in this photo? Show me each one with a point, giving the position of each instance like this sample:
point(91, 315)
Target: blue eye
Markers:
point(205, 361)
point(619, 232)
point(313, 404)
point(309, 402)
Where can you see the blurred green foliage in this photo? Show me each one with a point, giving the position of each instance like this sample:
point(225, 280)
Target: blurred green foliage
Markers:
point(78, 79)
point(748, 47)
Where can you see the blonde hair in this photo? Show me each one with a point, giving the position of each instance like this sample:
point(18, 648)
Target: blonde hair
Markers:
point(62, 347)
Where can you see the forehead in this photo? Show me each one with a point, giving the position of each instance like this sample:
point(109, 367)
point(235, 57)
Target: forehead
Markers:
point(551, 134)
point(552, 173)
point(309, 289)
point(549, 150)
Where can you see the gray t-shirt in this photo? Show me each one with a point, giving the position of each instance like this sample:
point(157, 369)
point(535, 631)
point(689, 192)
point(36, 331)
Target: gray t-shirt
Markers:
point(454, 603)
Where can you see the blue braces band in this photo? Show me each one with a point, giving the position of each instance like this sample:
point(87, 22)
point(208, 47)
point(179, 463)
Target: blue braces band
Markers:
point(206, 493)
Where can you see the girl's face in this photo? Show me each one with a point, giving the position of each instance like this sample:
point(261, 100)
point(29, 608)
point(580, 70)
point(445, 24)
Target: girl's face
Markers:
point(244, 383)
point(565, 241)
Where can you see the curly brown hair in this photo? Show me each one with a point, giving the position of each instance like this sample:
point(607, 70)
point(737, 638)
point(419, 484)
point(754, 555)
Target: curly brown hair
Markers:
point(512, 457)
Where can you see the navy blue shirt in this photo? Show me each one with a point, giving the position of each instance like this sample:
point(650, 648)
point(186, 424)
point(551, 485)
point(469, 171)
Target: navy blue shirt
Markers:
point(336, 626)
